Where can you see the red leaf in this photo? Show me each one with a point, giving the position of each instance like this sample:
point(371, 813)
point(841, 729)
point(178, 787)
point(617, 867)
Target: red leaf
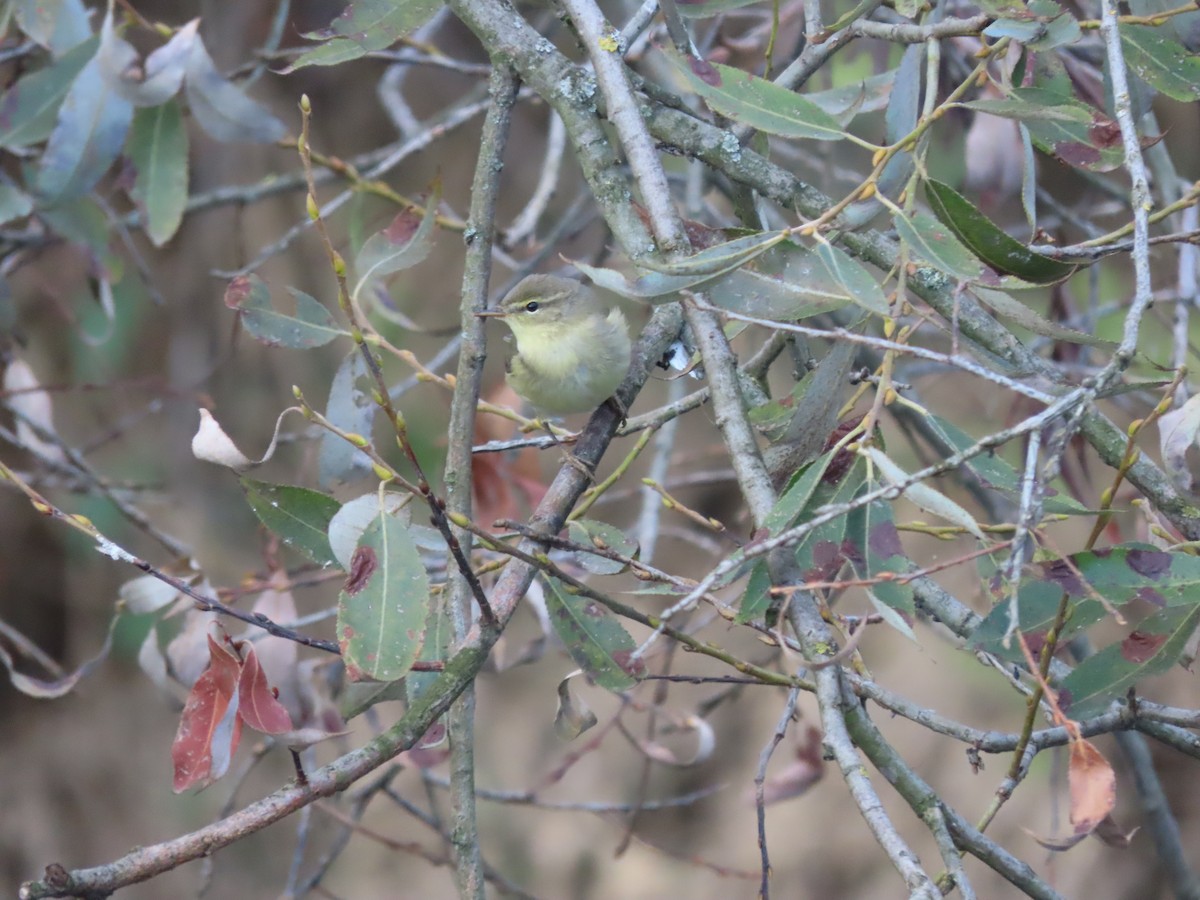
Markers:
point(258, 706)
point(209, 729)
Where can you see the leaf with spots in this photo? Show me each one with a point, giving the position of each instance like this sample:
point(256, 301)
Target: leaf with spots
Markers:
point(873, 548)
point(1037, 608)
point(1131, 572)
point(383, 606)
point(1067, 129)
point(406, 241)
point(821, 553)
point(1164, 580)
point(1149, 650)
point(312, 325)
point(594, 638)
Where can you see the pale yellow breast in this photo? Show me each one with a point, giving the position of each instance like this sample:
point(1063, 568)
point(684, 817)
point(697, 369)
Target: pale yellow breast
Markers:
point(571, 369)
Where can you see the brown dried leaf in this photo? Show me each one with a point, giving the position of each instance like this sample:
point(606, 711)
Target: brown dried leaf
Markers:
point(794, 779)
point(1093, 786)
point(573, 716)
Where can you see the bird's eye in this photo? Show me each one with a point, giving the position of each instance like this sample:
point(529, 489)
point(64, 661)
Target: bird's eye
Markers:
point(532, 306)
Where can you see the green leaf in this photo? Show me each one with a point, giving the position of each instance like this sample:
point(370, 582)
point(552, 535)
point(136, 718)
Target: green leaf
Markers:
point(593, 637)
point(874, 550)
point(787, 282)
point(649, 286)
point(706, 9)
point(720, 258)
point(1002, 8)
point(995, 473)
point(757, 598)
point(934, 243)
point(1130, 572)
point(590, 532)
point(1162, 63)
point(668, 279)
point(990, 243)
point(383, 608)
point(366, 26)
point(222, 108)
point(1052, 108)
point(403, 244)
point(348, 523)
point(1037, 609)
point(439, 638)
point(1090, 140)
point(1061, 27)
point(927, 498)
point(1150, 650)
point(351, 409)
point(158, 149)
point(14, 202)
point(1041, 26)
point(1015, 311)
point(29, 108)
point(820, 553)
point(298, 515)
point(312, 325)
point(860, 285)
point(57, 25)
point(88, 136)
point(869, 95)
point(83, 222)
point(796, 497)
point(1120, 575)
point(756, 102)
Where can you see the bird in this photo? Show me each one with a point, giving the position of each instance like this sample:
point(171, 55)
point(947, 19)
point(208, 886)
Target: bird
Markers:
point(573, 349)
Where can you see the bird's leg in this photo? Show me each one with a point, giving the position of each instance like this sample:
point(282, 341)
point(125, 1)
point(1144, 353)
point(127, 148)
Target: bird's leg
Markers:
point(568, 457)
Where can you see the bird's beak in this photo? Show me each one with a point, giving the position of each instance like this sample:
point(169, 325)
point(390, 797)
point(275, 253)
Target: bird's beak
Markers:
point(491, 314)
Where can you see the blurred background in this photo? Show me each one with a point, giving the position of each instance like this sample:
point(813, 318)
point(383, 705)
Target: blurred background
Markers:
point(88, 776)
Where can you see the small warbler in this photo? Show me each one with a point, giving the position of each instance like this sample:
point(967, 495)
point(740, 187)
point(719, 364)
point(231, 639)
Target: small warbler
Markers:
point(573, 349)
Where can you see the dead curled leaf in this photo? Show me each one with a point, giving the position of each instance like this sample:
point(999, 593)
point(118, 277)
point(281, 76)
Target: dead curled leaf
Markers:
point(794, 779)
point(1177, 432)
point(1093, 786)
point(1093, 789)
